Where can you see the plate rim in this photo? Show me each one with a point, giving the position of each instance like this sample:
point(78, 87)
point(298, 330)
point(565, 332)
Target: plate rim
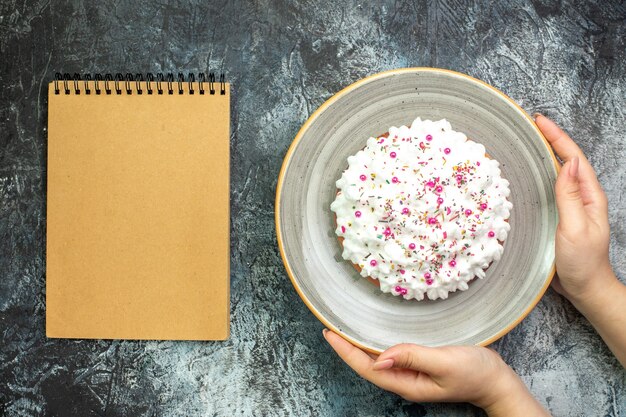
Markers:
point(305, 127)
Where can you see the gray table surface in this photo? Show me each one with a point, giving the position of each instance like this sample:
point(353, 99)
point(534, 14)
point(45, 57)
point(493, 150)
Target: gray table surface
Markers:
point(285, 58)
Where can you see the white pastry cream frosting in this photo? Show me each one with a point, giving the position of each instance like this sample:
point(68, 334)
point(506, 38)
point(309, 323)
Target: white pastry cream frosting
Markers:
point(422, 210)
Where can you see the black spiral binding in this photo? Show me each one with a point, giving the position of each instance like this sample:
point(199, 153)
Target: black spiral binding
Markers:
point(64, 83)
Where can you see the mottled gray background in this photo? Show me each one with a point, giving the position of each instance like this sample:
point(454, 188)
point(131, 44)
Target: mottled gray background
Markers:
point(285, 58)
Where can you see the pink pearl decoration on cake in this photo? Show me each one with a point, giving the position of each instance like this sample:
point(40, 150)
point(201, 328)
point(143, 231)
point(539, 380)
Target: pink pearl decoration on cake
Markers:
point(430, 184)
point(440, 200)
point(427, 275)
point(357, 213)
point(428, 278)
point(452, 263)
point(429, 137)
point(447, 151)
point(402, 271)
point(401, 290)
point(483, 206)
point(395, 180)
point(387, 232)
point(491, 233)
point(432, 220)
point(411, 246)
point(439, 189)
point(405, 210)
point(363, 177)
point(422, 145)
point(373, 262)
point(392, 154)
point(468, 212)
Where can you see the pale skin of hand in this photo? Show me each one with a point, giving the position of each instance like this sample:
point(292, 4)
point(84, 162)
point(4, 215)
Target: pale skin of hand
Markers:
point(584, 273)
point(478, 375)
point(446, 374)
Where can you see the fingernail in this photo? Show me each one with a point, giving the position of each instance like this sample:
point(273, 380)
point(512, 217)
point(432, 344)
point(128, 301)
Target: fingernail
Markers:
point(324, 332)
point(386, 364)
point(573, 168)
point(536, 114)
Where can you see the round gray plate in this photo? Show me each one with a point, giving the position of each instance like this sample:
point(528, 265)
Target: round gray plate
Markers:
point(332, 288)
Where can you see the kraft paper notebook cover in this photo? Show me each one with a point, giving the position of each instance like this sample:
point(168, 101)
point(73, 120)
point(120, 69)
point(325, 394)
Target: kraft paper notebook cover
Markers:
point(138, 208)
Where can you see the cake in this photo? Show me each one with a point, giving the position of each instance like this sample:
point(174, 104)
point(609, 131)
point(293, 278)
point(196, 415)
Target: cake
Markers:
point(422, 210)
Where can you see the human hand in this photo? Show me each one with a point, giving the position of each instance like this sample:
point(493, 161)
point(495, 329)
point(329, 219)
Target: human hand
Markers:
point(447, 374)
point(582, 237)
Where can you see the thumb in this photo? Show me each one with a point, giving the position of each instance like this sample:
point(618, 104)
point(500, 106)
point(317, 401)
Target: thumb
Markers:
point(409, 356)
point(568, 198)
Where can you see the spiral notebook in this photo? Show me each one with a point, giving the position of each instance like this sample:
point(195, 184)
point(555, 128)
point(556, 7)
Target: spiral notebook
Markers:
point(138, 207)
